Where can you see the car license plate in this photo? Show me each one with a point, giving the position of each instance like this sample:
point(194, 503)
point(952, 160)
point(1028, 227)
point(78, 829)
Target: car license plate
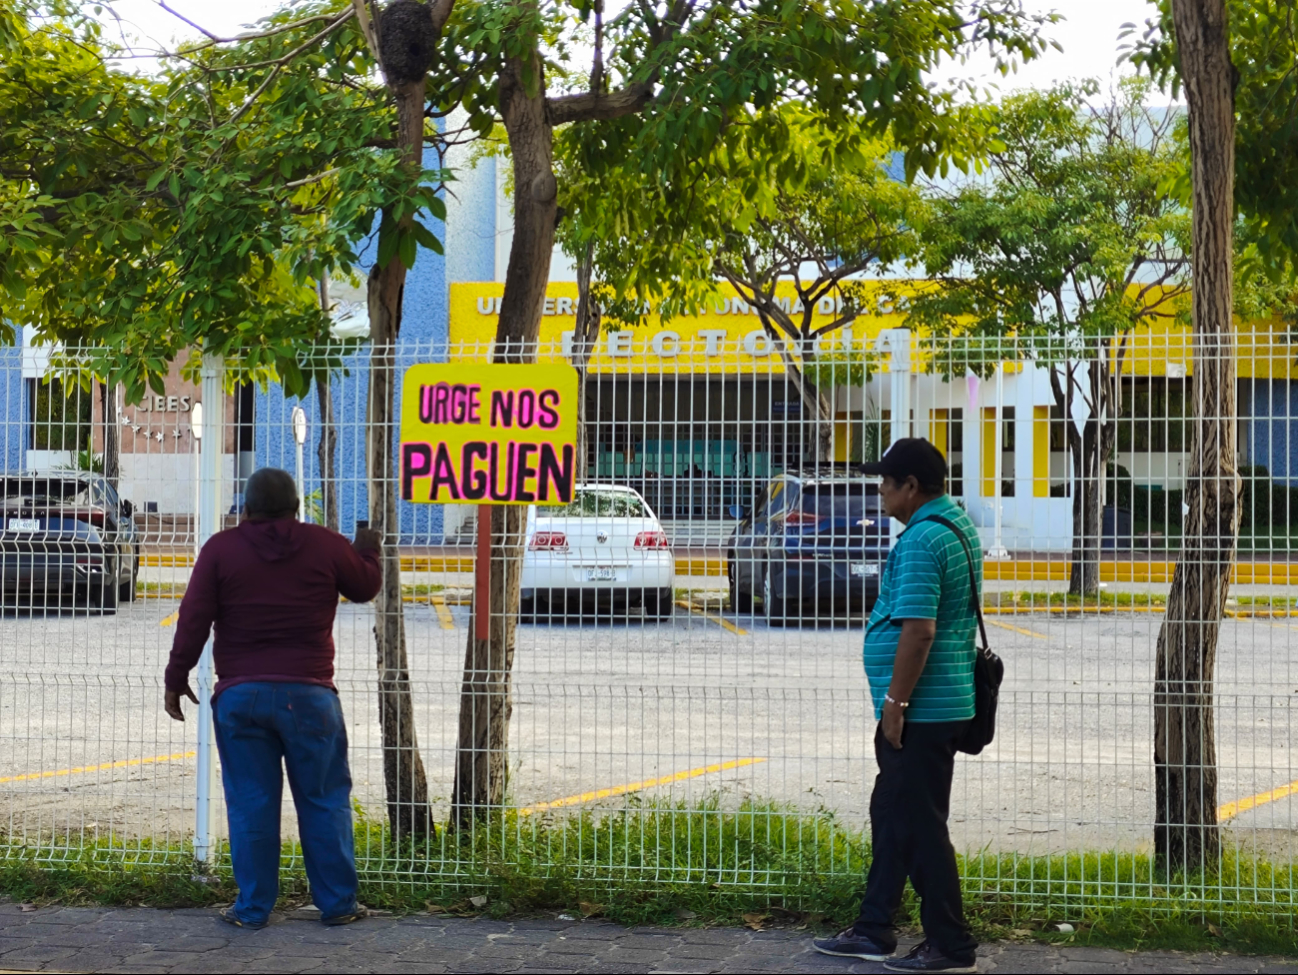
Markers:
point(601, 574)
point(865, 569)
point(24, 525)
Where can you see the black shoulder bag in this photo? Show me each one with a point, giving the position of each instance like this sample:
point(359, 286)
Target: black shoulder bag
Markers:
point(989, 669)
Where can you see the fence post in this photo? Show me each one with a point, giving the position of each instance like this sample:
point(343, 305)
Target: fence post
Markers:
point(998, 552)
point(210, 456)
point(899, 368)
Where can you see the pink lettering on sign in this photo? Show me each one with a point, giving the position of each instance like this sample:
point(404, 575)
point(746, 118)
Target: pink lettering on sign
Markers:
point(449, 403)
point(523, 409)
point(526, 473)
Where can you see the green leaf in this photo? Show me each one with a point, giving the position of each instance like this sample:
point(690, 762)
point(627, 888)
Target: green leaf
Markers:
point(408, 248)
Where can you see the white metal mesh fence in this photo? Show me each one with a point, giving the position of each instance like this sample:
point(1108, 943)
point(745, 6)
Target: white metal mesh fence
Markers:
point(711, 723)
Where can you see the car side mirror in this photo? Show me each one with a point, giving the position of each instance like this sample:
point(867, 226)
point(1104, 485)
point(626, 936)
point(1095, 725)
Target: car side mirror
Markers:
point(738, 512)
point(128, 509)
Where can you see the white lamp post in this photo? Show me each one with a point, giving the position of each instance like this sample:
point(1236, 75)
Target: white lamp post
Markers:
point(299, 435)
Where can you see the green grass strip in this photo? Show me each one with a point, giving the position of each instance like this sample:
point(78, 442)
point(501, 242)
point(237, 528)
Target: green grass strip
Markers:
point(656, 863)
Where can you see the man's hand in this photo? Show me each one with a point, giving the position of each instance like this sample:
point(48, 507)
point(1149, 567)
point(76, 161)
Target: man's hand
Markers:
point(368, 539)
point(894, 721)
point(171, 702)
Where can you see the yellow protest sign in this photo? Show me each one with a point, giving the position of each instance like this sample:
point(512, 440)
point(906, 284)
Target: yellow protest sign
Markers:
point(488, 434)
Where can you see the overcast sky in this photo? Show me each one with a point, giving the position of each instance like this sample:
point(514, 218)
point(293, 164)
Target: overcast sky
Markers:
point(1089, 35)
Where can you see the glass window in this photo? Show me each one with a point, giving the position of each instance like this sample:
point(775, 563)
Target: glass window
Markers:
point(844, 500)
point(595, 503)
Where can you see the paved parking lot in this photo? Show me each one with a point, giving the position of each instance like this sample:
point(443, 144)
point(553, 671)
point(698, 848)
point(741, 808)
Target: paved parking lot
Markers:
point(706, 703)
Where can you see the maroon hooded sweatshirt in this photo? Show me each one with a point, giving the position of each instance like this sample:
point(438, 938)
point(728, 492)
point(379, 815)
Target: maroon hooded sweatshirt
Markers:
point(271, 588)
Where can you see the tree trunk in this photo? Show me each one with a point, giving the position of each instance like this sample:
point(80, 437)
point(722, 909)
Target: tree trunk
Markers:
point(327, 453)
point(816, 408)
point(327, 449)
point(1084, 571)
point(1091, 450)
point(1186, 834)
point(585, 332)
point(112, 433)
point(482, 752)
point(403, 768)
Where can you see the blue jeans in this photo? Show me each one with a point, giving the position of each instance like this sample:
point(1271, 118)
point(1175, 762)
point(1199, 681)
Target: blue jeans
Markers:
point(257, 725)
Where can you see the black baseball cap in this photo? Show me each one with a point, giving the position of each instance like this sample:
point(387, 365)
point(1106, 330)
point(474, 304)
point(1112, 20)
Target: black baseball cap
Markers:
point(911, 457)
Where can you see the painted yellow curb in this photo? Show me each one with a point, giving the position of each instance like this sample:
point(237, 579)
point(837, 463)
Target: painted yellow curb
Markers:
point(1032, 570)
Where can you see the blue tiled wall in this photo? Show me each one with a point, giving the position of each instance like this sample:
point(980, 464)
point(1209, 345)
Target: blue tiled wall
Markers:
point(13, 404)
point(424, 330)
point(1272, 427)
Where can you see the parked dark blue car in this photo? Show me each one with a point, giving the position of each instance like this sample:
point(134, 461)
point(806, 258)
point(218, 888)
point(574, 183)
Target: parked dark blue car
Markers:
point(815, 541)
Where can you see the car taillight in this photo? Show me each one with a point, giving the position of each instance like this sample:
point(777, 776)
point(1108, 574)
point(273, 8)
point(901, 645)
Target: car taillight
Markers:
point(94, 517)
point(799, 517)
point(651, 540)
point(549, 542)
point(88, 560)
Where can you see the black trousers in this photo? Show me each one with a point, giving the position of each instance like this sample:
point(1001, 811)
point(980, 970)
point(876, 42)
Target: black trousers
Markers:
point(908, 830)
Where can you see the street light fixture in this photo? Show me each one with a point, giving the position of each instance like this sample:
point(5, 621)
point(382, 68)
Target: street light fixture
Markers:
point(299, 435)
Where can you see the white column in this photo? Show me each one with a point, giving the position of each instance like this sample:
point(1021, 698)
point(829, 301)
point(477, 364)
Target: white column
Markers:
point(998, 551)
point(899, 369)
point(210, 453)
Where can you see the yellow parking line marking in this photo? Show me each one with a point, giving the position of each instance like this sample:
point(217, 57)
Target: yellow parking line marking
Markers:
point(124, 763)
point(621, 790)
point(710, 616)
point(1232, 809)
point(1018, 629)
point(443, 614)
point(169, 619)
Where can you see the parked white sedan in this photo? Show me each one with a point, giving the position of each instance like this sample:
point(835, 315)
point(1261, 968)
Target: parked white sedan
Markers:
point(606, 549)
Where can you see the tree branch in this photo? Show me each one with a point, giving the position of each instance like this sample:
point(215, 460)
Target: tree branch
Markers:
point(313, 179)
point(597, 106)
point(279, 64)
point(179, 16)
point(250, 36)
point(366, 24)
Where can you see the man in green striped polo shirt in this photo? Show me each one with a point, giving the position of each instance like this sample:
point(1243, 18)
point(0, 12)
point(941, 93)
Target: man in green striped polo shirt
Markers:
point(919, 659)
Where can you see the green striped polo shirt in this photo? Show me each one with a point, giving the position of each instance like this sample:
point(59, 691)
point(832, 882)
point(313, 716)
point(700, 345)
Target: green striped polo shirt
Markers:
point(927, 578)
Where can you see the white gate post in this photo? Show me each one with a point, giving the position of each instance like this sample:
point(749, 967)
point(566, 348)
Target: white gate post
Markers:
point(899, 368)
point(998, 552)
point(210, 455)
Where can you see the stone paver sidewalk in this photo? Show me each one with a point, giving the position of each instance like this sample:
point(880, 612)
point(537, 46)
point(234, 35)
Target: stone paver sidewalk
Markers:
point(141, 940)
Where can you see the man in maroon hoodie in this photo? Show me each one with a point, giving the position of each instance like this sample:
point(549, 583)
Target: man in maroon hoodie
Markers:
point(271, 588)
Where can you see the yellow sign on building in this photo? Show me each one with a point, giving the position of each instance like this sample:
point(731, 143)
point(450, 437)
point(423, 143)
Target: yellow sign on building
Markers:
point(727, 337)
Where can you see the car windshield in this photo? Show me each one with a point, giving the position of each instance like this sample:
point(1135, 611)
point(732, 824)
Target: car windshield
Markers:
point(842, 500)
point(593, 503)
point(40, 490)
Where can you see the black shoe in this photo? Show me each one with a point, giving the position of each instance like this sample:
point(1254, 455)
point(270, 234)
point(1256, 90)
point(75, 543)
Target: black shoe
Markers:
point(924, 957)
point(848, 944)
point(229, 917)
point(339, 919)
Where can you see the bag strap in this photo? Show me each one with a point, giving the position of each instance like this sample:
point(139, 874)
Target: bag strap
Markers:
point(973, 580)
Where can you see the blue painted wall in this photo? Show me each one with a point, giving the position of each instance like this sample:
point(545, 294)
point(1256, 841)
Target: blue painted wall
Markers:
point(1272, 427)
point(13, 408)
point(424, 332)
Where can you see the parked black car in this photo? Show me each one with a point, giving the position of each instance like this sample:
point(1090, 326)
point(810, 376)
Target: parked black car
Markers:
point(816, 539)
point(66, 539)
